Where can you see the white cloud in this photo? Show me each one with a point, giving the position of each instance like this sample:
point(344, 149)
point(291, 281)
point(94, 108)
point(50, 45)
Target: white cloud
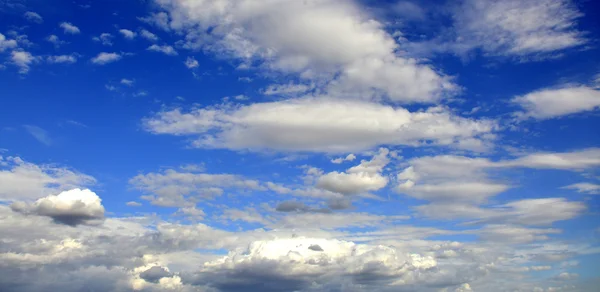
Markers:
point(128, 34)
point(586, 188)
point(289, 89)
point(313, 124)
point(297, 264)
point(69, 28)
point(573, 160)
point(165, 49)
point(127, 82)
point(336, 42)
point(64, 59)
point(104, 38)
point(515, 27)
point(105, 58)
point(72, 207)
point(173, 188)
point(148, 35)
point(362, 178)
point(33, 17)
point(349, 157)
point(191, 63)
point(552, 103)
point(55, 40)
point(133, 204)
point(20, 180)
point(39, 134)
point(543, 211)
point(23, 60)
point(6, 43)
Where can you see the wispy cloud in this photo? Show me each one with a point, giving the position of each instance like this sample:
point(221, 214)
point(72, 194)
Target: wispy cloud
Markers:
point(39, 134)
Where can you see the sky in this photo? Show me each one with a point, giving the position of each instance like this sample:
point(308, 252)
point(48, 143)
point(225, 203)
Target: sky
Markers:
point(287, 145)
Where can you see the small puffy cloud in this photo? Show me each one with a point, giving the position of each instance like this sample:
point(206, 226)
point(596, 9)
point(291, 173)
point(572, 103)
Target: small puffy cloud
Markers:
point(349, 157)
point(586, 188)
point(552, 103)
point(69, 28)
point(23, 60)
point(128, 34)
point(105, 58)
point(148, 35)
point(33, 17)
point(127, 82)
point(191, 63)
point(104, 38)
point(6, 43)
point(73, 207)
point(62, 59)
point(55, 40)
point(289, 89)
point(565, 276)
point(165, 49)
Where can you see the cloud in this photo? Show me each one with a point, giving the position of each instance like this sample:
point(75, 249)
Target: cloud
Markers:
point(586, 188)
point(553, 103)
point(63, 59)
point(55, 40)
point(127, 82)
point(165, 49)
point(69, 28)
point(39, 134)
point(20, 180)
point(33, 17)
point(349, 157)
point(133, 204)
point(154, 274)
point(105, 58)
point(104, 38)
point(72, 207)
point(362, 178)
point(128, 34)
point(148, 35)
point(6, 43)
point(191, 63)
point(319, 124)
point(543, 211)
point(514, 28)
point(341, 46)
point(23, 60)
point(292, 265)
point(289, 89)
point(173, 188)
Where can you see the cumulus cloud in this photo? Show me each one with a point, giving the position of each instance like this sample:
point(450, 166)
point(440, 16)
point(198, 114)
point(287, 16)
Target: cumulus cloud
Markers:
point(128, 34)
point(23, 60)
point(191, 63)
point(165, 49)
point(33, 17)
point(362, 178)
point(301, 263)
point(105, 58)
point(6, 43)
point(349, 157)
point(318, 124)
point(69, 28)
point(62, 59)
point(341, 45)
point(148, 35)
point(72, 207)
point(104, 38)
point(552, 103)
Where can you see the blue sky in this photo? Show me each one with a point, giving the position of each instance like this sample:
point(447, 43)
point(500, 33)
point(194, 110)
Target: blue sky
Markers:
point(286, 145)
